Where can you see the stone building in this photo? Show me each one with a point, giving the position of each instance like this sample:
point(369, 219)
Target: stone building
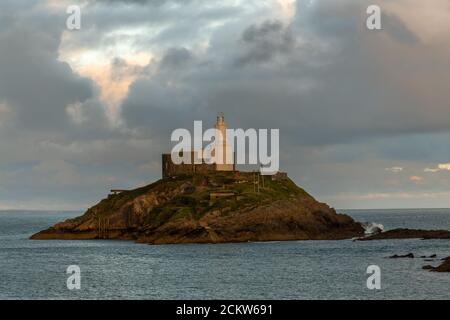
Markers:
point(170, 169)
point(279, 176)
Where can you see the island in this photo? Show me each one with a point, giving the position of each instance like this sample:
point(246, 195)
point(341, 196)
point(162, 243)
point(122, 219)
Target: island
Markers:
point(209, 207)
point(197, 201)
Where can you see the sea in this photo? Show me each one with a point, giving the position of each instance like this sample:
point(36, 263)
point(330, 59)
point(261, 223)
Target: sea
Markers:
point(256, 270)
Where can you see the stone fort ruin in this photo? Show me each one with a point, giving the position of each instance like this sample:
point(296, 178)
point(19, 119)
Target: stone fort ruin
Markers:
point(170, 169)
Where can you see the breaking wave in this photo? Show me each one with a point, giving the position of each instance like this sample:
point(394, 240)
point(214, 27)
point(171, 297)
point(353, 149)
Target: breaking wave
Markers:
point(372, 228)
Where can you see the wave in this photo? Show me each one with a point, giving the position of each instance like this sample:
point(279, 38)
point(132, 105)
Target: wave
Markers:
point(372, 228)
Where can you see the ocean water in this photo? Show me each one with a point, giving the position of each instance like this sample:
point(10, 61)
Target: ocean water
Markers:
point(271, 270)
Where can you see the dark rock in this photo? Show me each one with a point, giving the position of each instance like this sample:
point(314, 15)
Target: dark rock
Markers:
point(409, 234)
point(189, 190)
point(396, 256)
point(444, 267)
point(431, 256)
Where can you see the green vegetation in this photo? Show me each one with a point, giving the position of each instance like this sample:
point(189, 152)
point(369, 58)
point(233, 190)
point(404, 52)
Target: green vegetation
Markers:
point(188, 196)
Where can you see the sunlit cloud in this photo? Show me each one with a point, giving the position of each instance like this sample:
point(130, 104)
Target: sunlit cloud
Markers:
point(429, 21)
point(98, 66)
point(3, 109)
point(287, 9)
point(444, 166)
point(395, 169)
point(440, 167)
point(415, 179)
point(4, 112)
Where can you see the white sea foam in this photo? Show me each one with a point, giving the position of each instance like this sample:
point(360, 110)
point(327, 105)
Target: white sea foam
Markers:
point(372, 228)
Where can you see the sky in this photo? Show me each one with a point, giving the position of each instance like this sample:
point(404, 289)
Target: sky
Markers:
point(364, 115)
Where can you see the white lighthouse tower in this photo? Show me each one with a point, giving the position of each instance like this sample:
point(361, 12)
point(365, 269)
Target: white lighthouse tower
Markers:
point(225, 156)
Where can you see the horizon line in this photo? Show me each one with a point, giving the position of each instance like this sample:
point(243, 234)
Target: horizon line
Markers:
point(337, 209)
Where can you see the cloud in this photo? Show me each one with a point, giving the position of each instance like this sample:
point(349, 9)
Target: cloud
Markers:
point(444, 166)
point(390, 200)
point(398, 30)
point(394, 169)
point(35, 85)
point(440, 167)
point(353, 106)
point(265, 42)
point(415, 179)
point(343, 91)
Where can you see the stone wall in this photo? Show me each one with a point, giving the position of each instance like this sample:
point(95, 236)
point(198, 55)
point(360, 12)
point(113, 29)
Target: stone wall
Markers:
point(170, 169)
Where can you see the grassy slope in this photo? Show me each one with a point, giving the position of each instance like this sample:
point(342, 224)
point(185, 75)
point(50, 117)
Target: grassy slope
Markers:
point(194, 205)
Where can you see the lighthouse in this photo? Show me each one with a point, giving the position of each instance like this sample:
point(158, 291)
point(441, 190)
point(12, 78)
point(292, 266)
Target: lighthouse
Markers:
point(225, 156)
point(220, 150)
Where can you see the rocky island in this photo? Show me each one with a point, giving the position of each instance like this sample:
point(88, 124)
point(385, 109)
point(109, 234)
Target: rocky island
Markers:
point(209, 207)
point(203, 202)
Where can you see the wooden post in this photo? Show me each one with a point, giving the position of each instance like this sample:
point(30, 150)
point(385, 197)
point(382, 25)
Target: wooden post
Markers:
point(107, 228)
point(258, 180)
point(98, 227)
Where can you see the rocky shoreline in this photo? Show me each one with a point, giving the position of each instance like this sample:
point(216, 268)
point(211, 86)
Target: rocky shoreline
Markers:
point(208, 208)
point(408, 234)
point(443, 267)
point(217, 208)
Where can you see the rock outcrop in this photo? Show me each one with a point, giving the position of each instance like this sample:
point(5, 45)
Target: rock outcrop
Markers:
point(209, 208)
point(396, 256)
point(409, 234)
point(443, 267)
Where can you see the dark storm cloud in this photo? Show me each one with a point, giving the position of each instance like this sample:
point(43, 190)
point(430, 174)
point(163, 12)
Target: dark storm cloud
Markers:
point(264, 42)
point(168, 23)
point(399, 30)
point(154, 106)
point(41, 142)
point(323, 68)
point(349, 102)
point(176, 58)
point(32, 80)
